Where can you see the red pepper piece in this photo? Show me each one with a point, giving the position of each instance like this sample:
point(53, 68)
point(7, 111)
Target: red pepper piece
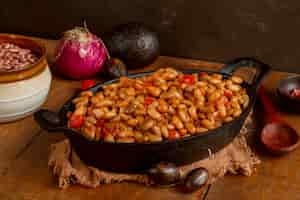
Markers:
point(173, 135)
point(76, 121)
point(86, 84)
point(148, 101)
point(188, 79)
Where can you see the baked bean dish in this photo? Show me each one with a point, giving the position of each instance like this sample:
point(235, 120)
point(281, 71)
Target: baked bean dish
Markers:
point(163, 106)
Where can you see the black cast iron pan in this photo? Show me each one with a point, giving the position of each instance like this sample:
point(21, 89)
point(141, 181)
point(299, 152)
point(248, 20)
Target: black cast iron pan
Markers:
point(137, 157)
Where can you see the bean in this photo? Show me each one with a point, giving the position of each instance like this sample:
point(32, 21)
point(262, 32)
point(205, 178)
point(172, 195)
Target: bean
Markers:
point(164, 131)
point(89, 132)
point(193, 112)
point(154, 91)
point(110, 114)
point(163, 106)
point(104, 103)
point(154, 113)
point(234, 87)
point(98, 113)
point(154, 138)
point(237, 113)
point(130, 91)
point(190, 127)
point(183, 115)
point(189, 88)
point(126, 140)
point(217, 76)
point(201, 84)
point(147, 124)
point(201, 129)
point(187, 102)
point(80, 110)
point(176, 121)
point(214, 96)
point(228, 119)
point(198, 94)
point(215, 81)
point(91, 119)
point(246, 100)
point(207, 124)
point(140, 119)
point(109, 138)
point(211, 89)
point(132, 122)
point(183, 131)
point(236, 79)
point(181, 106)
point(86, 93)
point(125, 133)
point(170, 127)
point(222, 111)
point(156, 130)
point(80, 100)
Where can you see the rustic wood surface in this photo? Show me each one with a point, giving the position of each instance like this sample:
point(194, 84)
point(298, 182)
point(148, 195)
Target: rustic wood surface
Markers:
point(24, 151)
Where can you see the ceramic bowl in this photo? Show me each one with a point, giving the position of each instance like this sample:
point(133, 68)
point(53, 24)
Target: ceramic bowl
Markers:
point(23, 92)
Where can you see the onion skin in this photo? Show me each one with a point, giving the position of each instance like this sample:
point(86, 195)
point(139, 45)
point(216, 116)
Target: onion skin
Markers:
point(80, 54)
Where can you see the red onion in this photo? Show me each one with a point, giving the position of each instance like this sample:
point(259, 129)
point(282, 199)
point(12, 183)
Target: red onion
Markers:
point(80, 54)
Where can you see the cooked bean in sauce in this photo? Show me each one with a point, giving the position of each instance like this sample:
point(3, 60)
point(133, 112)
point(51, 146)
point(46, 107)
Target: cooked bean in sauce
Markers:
point(163, 106)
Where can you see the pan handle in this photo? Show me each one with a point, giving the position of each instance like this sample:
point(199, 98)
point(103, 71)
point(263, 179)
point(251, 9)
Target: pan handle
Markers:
point(233, 65)
point(49, 120)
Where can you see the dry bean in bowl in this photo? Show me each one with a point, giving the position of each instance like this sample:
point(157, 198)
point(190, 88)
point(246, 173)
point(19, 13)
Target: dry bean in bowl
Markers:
point(15, 58)
point(166, 105)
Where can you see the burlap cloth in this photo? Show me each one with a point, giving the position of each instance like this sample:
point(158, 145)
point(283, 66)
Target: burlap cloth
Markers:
point(235, 158)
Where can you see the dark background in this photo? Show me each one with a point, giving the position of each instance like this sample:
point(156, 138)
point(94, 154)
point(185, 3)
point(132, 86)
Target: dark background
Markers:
point(209, 30)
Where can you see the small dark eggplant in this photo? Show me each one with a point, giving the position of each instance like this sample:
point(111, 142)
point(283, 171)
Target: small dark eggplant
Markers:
point(115, 68)
point(164, 174)
point(134, 43)
point(196, 179)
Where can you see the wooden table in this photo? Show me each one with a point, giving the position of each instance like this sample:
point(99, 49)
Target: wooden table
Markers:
point(24, 152)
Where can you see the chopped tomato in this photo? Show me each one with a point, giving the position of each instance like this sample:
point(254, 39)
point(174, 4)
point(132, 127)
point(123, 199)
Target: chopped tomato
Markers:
point(76, 121)
point(228, 93)
point(202, 74)
point(148, 101)
point(173, 135)
point(188, 79)
point(86, 84)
